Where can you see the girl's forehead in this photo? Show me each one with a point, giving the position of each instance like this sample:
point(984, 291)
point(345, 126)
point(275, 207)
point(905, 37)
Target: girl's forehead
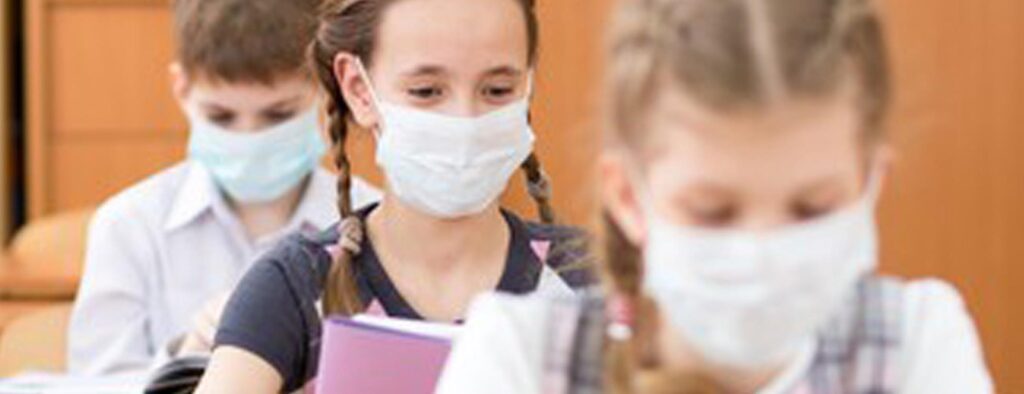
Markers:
point(777, 147)
point(762, 128)
point(453, 35)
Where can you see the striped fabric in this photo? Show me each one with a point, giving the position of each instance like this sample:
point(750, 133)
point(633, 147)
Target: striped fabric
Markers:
point(857, 350)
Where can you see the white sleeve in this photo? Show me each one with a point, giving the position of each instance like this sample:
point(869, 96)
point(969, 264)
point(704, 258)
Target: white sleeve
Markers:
point(942, 352)
point(107, 331)
point(500, 349)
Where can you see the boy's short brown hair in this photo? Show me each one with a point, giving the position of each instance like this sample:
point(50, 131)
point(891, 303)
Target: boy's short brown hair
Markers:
point(243, 40)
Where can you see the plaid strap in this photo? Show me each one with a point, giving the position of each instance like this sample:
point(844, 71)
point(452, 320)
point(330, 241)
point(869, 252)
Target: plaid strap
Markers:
point(858, 349)
point(573, 361)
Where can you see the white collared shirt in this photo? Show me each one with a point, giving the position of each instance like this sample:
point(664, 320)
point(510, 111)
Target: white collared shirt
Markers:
point(159, 251)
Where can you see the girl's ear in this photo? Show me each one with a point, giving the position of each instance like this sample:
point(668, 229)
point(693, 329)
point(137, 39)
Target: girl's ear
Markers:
point(884, 158)
point(180, 83)
point(355, 90)
point(620, 197)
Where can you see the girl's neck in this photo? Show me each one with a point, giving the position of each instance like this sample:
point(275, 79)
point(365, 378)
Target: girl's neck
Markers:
point(265, 218)
point(677, 354)
point(439, 265)
point(407, 234)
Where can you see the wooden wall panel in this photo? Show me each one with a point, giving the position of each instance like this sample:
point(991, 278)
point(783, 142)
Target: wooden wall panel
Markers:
point(124, 162)
point(98, 86)
point(954, 204)
point(119, 82)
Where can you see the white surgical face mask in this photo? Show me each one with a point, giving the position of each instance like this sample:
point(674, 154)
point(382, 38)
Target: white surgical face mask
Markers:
point(449, 166)
point(258, 166)
point(753, 299)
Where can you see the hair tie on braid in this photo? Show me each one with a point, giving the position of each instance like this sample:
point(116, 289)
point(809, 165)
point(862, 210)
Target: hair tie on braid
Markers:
point(540, 188)
point(621, 317)
point(351, 235)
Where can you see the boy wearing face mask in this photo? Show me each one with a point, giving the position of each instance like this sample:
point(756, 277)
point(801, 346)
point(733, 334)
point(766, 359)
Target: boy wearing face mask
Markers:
point(163, 249)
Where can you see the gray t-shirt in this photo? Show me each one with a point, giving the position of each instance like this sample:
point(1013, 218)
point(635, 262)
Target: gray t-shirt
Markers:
point(273, 312)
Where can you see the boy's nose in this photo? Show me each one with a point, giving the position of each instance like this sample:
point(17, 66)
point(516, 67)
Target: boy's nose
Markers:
point(248, 124)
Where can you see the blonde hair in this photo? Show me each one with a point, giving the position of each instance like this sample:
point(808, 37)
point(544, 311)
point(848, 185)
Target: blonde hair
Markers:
point(726, 55)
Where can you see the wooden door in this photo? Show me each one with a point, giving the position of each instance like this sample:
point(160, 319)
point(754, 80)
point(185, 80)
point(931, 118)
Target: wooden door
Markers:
point(100, 111)
point(955, 203)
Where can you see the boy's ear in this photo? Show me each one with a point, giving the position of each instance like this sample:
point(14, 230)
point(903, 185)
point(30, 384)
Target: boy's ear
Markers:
point(619, 197)
point(180, 83)
point(355, 91)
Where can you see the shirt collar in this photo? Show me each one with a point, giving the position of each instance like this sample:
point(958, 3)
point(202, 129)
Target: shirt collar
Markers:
point(318, 206)
point(199, 194)
point(195, 196)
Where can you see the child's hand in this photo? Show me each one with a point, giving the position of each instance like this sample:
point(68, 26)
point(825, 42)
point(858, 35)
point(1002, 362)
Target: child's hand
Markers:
point(204, 327)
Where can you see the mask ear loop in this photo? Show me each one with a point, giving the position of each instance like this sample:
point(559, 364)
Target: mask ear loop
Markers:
point(873, 181)
point(529, 85)
point(365, 75)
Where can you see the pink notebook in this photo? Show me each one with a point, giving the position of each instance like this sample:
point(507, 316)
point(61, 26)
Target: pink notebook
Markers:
point(380, 355)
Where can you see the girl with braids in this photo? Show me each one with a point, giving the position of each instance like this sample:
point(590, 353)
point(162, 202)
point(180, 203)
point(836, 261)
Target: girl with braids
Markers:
point(444, 85)
point(744, 157)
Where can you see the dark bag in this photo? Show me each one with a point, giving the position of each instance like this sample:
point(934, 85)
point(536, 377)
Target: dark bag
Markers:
point(179, 376)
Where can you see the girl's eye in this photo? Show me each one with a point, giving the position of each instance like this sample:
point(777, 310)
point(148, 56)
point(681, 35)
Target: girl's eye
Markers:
point(278, 116)
point(713, 217)
point(223, 119)
point(424, 93)
point(498, 91)
point(804, 211)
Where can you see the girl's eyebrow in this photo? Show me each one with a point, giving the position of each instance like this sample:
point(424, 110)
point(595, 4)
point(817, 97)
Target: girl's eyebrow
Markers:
point(211, 106)
point(284, 103)
point(503, 71)
point(819, 184)
point(425, 70)
point(436, 70)
point(706, 188)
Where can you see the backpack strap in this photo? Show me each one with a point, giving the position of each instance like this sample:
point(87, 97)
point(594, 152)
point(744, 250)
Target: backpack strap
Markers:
point(858, 351)
point(574, 353)
point(587, 367)
point(562, 321)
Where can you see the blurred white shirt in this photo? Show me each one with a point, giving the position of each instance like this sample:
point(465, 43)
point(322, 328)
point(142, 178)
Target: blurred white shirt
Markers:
point(159, 251)
point(501, 349)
